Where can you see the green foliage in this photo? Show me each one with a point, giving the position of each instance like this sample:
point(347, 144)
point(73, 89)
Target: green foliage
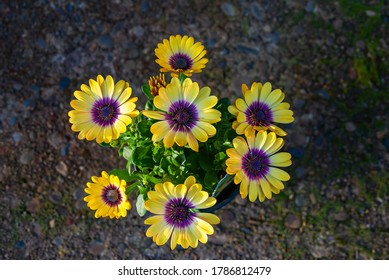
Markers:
point(149, 163)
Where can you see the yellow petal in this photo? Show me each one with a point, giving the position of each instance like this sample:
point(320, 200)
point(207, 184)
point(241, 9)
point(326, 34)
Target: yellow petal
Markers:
point(266, 89)
point(155, 207)
point(81, 105)
point(192, 141)
point(242, 128)
point(240, 145)
point(240, 104)
point(154, 219)
point(161, 104)
point(180, 190)
point(270, 139)
point(275, 182)
point(168, 141)
point(244, 187)
point(210, 218)
point(180, 138)
point(127, 107)
point(206, 103)
point(265, 188)
point(159, 130)
point(95, 87)
point(191, 180)
point(209, 202)
point(253, 190)
point(233, 110)
point(279, 174)
point(118, 88)
point(205, 226)
point(154, 114)
point(191, 90)
point(199, 197)
point(200, 134)
point(126, 94)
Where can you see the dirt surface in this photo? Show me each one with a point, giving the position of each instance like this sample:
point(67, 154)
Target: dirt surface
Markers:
point(329, 57)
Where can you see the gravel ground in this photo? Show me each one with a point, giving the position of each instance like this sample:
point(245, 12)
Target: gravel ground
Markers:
point(330, 58)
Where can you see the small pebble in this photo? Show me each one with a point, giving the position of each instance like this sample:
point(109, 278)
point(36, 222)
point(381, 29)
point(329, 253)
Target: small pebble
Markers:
point(105, 41)
point(310, 6)
point(20, 244)
point(33, 205)
point(228, 9)
point(370, 13)
point(350, 126)
point(27, 156)
point(64, 83)
point(62, 168)
point(292, 221)
point(55, 197)
point(340, 216)
point(57, 241)
point(16, 137)
point(96, 247)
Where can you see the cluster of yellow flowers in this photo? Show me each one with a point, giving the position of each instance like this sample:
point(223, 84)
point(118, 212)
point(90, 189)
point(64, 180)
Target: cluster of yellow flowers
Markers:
point(185, 115)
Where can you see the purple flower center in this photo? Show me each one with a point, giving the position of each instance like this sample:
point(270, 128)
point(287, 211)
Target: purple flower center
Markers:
point(178, 212)
point(259, 114)
point(180, 61)
point(182, 115)
point(105, 111)
point(112, 196)
point(255, 164)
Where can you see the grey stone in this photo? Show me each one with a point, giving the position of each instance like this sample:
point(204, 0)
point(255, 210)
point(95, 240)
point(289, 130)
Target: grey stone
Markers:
point(350, 126)
point(62, 168)
point(33, 205)
point(105, 41)
point(228, 9)
point(292, 221)
point(96, 247)
point(27, 156)
point(16, 137)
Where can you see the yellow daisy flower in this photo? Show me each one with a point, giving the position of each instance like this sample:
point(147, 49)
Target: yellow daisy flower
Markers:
point(107, 195)
point(186, 114)
point(181, 55)
point(254, 163)
point(177, 216)
point(260, 109)
point(156, 82)
point(102, 110)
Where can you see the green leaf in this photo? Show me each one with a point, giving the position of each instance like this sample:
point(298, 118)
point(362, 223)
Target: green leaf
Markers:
point(146, 90)
point(142, 157)
point(128, 153)
point(182, 77)
point(122, 174)
point(152, 179)
point(144, 128)
point(140, 205)
point(224, 101)
point(150, 105)
point(220, 156)
point(205, 162)
point(132, 187)
point(210, 178)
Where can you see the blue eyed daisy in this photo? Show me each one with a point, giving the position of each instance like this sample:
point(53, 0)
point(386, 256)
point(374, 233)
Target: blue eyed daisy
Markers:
point(102, 110)
point(186, 115)
point(260, 109)
point(180, 54)
point(255, 165)
point(107, 195)
point(177, 216)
